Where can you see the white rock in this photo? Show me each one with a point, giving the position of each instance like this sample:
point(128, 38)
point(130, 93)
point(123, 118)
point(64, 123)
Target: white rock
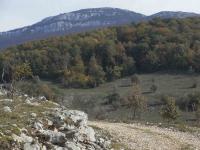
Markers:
point(38, 126)
point(1, 93)
point(86, 134)
point(101, 141)
point(72, 146)
point(17, 138)
point(44, 147)
point(26, 139)
point(22, 138)
point(49, 122)
point(27, 101)
point(30, 146)
point(59, 148)
point(107, 144)
point(23, 130)
point(7, 109)
point(6, 100)
point(14, 125)
point(33, 115)
point(75, 117)
point(54, 136)
point(42, 98)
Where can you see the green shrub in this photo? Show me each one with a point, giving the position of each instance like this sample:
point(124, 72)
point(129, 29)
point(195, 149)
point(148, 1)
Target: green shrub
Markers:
point(169, 111)
point(136, 102)
point(135, 79)
point(153, 88)
point(36, 89)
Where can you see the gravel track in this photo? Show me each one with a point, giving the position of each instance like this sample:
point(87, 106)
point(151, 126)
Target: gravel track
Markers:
point(142, 137)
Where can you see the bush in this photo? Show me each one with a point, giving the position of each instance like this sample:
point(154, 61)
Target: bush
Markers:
point(45, 90)
point(194, 86)
point(198, 114)
point(169, 111)
point(193, 101)
point(135, 79)
point(136, 102)
point(36, 89)
point(153, 88)
point(114, 99)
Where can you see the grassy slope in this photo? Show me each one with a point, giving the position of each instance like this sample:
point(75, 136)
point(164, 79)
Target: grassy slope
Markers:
point(11, 123)
point(177, 85)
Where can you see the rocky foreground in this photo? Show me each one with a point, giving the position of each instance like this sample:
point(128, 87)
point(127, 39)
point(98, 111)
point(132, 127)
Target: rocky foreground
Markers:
point(38, 124)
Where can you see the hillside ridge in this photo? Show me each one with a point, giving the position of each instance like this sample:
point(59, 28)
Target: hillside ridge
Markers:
point(79, 21)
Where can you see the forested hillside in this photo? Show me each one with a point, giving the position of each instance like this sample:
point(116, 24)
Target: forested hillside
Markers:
point(91, 58)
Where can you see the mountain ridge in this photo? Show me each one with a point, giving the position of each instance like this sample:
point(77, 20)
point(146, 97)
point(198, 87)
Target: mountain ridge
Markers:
point(79, 21)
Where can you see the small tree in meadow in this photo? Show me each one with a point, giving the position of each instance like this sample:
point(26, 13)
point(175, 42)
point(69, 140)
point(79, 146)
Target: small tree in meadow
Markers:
point(194, 83)
point(114, 98)
point(135, 79)
point(198, 114)
point(169, 111)
point(136, 102)
point(153, 88)
point(194, 100)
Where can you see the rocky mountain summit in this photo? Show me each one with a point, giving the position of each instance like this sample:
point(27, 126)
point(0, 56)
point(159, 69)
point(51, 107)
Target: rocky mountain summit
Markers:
point(38, 124)
point(73, 22)
point(173, 14)
point(79, 21)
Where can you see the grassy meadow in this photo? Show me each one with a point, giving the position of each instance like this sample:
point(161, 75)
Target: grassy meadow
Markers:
point(91, 100)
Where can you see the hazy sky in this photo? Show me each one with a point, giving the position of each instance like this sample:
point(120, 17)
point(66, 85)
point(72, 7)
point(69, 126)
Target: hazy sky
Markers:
point(19, 13)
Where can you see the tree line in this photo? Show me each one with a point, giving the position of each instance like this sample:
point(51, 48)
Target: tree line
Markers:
point(88, 59)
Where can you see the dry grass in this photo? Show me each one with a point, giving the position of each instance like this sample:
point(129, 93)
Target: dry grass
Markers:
point(90, 100)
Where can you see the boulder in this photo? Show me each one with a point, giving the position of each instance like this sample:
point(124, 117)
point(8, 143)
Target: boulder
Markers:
point(7, 109)
point(42, 98)
point(59, 148)
point(75, 123)
point(72, 146)
point(55, 137)
point(31, 146)
point(1, 93)
point(27, 101)
point(26, 139)
point(38, 126)
point(75, 117)
point(33, 115)
point(22, 138)
point(85, 134)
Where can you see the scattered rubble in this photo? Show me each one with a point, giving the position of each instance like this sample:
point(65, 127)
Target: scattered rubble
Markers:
point(50, 128)
point(7, 109)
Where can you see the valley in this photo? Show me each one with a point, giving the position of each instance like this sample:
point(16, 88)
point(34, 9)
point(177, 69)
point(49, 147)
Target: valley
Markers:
point(102, 79)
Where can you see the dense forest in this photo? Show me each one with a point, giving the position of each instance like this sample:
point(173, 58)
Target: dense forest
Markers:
point(91, 58)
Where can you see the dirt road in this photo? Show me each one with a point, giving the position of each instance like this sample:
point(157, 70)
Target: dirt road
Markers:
point(142, 137)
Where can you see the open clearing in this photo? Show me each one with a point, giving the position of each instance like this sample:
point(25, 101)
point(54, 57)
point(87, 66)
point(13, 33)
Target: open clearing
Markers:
point(90, 100)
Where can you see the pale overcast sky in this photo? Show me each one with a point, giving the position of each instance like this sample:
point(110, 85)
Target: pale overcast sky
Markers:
point(19, 13)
